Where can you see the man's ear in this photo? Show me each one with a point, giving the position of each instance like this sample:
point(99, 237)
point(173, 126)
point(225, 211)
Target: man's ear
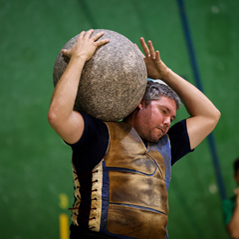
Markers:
point(141, 105)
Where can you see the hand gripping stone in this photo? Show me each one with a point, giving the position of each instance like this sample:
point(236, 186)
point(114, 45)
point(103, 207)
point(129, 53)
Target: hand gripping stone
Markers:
point(113, 81)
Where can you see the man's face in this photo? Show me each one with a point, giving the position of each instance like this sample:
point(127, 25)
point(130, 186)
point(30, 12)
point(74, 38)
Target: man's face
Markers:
point(154, 120)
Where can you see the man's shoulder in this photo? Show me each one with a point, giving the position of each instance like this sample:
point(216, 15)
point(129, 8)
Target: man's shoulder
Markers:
point(179, 140)
point(178, 127)
point(178, 132)
point(94, 130)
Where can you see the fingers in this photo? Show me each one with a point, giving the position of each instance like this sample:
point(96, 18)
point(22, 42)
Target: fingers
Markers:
point(85, 35)
point(81, 35)
point(157, 56)
point(65, 52)
point(102, 42)
point(94, 37)
point(97, 36)
point(151, 49)
point(144, 46)
point(88, 33)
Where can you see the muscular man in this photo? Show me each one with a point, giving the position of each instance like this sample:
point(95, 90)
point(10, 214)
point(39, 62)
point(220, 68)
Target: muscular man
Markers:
point(122, 169)
point(231, 207)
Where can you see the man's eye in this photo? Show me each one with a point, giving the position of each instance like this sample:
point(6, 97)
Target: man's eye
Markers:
point(172, 119)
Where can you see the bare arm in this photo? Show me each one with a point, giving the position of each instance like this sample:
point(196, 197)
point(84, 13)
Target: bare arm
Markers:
point(67, 123)
point(203, 114)
point(233, 225)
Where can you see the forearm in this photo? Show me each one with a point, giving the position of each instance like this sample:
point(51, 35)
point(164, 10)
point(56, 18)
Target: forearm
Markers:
point(64, 95)
point(194, 100)
point(203, 114)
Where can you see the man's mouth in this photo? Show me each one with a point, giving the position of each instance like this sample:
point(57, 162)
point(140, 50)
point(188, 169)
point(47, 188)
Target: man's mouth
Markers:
point(162, 130)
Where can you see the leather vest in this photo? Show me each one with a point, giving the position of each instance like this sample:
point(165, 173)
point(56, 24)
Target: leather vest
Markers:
point(130, 198)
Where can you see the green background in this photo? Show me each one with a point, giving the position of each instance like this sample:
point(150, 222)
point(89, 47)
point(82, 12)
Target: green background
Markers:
point(36, 165)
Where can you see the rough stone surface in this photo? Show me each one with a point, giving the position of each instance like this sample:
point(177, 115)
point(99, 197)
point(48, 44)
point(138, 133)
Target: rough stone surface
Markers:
point(113, 81)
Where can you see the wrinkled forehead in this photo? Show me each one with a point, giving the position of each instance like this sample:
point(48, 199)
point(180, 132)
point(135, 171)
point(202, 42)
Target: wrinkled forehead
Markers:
point(166, 102)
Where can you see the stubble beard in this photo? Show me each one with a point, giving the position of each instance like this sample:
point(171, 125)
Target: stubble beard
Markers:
point(152, 137)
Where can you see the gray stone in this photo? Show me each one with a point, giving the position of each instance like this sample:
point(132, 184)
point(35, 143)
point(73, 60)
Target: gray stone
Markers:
point(113, 81)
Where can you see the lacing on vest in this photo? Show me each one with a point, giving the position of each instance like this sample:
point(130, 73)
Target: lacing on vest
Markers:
point(87, 189)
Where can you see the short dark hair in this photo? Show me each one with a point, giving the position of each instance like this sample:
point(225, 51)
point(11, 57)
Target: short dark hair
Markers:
point(236, 165)
point(155, 90)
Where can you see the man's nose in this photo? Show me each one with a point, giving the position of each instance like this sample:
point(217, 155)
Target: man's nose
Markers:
point(167, 121)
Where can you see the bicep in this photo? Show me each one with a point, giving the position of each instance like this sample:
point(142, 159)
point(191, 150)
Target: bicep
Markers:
point(70, 130)
point(198, 129)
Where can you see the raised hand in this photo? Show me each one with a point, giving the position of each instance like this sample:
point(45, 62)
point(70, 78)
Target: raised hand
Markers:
point(85, 45)
point(156, 69)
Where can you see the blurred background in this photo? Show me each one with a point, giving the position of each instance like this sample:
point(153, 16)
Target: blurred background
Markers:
point(198, 39)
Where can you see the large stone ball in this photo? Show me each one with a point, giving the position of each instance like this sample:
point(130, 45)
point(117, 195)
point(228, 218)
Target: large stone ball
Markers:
point(113, 81)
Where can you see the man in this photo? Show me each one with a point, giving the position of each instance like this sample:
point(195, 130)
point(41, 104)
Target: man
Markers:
point(122, 169)
point(231, 207)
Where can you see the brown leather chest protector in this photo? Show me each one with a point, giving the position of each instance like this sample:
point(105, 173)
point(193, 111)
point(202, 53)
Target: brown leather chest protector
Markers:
point(138, 199)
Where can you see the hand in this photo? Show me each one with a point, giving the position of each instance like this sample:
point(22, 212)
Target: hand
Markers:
point(156, 69)
point(85, 45)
